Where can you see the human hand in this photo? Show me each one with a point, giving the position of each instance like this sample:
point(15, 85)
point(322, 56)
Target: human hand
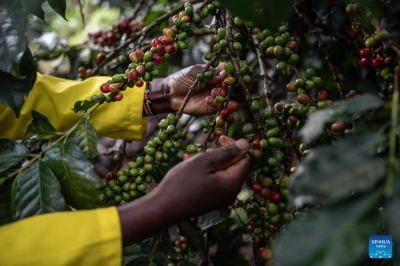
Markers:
point(168, 94)
point(206, 182)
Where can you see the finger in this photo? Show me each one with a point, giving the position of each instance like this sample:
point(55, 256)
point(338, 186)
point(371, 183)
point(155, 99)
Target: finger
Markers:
point(210, 149)
point(224, 157)
point(209, 100)
point(225, 140)
point(238, 171)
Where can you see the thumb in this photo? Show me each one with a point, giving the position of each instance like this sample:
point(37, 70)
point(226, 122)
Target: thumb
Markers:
point(226, 156)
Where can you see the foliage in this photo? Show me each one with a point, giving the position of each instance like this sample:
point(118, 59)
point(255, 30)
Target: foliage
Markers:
point(331, 133)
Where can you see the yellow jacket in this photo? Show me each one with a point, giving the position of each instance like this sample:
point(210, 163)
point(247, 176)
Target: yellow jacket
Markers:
point(69, 238)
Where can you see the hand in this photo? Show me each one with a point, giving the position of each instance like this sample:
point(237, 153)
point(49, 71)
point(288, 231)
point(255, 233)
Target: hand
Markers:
point(168, 94)
point(207, 181)
point(194, 187)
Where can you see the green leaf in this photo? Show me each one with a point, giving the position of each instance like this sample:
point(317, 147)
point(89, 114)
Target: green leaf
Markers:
point(273, 14)
point(86, 137)
point(39, 127)
point(34, 7)
point(83, 106)
point(166, 247)
point(75, 174)
point(345, 111)
point(11, 154)
point(348, 165)
point(37, 191)
point(392, 216)
point(196, 239)
point(13, 90)
point(213, 218)
point(13, 41)
point(60, 6)
point(228, 246)
point(318, 239)
point(6, 201)
point(134, 249)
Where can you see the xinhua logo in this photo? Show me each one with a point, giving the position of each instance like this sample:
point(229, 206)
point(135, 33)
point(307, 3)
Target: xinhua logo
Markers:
point(380, 247)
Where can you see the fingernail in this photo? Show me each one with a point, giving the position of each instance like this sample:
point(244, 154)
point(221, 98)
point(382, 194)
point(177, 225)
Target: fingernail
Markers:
point(221, 73)
point(242, 144)
point(209, 100)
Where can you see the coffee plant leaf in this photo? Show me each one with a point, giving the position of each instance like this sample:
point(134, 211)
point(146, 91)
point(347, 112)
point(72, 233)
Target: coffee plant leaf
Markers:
point(75, 174)
point(37, 192)
point(39, 127)
point(132, 250)
point(212, 218)
point(166, 247)
point(349, 165)
point(86, 137)
point(228, 246)
point(83, 106)
point(13, 41)
point(33, 7)
point(345, 111)
point(13, 89)
point(59, 6)
point(6, 189)
point(188, 263)
point(11, 154)
point(317, 238)
point(196, 239)
point(268, 14)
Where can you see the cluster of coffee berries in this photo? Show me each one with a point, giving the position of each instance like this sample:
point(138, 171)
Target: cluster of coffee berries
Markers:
point(370, 59)
point(113, 35)
point(269, 208)
point(183, 250)
point(281, 46)
point(168, 139)
point(125, 185)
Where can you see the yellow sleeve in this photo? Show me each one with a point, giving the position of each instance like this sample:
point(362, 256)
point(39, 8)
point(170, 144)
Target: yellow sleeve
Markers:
point(54, 97)
point(65, 238)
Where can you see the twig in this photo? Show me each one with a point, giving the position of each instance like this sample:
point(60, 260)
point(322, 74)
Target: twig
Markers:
point(233, 55)
point(322, 46)
point(138, 6)
point(264, 76)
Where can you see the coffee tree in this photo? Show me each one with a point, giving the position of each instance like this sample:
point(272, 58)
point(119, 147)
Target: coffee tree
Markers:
point(319, 82)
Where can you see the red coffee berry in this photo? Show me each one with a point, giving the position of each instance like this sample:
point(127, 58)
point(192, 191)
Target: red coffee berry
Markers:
point(233, 105)
point(256, 144)
point(303, 99)
point(225, 113)
point(256, 186)
point(222, 91)
point(110, 175)
point(139, 54)
point(158, 58)
point(155, 42)
point(133, 74)
point(105, 87)
point(366, 52)
point(275, 197)
point(365, 62)
point(378, 62)
point(160, 49)
point(265, 253)
point(186, 19)
point(273, 228)
point(82, 71)
point(339, 126)
point(118, 96)
point(230, 119)
point(100, 57)
point(265, 193)
point(322, 95)
point(170, 49)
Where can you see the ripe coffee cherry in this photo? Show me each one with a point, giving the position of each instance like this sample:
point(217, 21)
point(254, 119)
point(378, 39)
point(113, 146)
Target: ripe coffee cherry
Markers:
point(155, 42)
point(322, 95)
point(265, 193)
point(233, 105)
point(303, 99)
point(110, 176)
point(105, 87)
point(275, 197)
point(100, 57)
point(160, 49)
point(158, 58)
point(82, 71)
point(225, 113)
point(366, 52)
point(170, 48)
point(378, 62)
point(230, 119)
point(339, 126)
point(186, 19)
point(265, 253)
point(256, 186)
point(118, 96)
point(256, 144)
point(133, 74)
point(365, 62)
point(273, 228)
point(139, 83)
